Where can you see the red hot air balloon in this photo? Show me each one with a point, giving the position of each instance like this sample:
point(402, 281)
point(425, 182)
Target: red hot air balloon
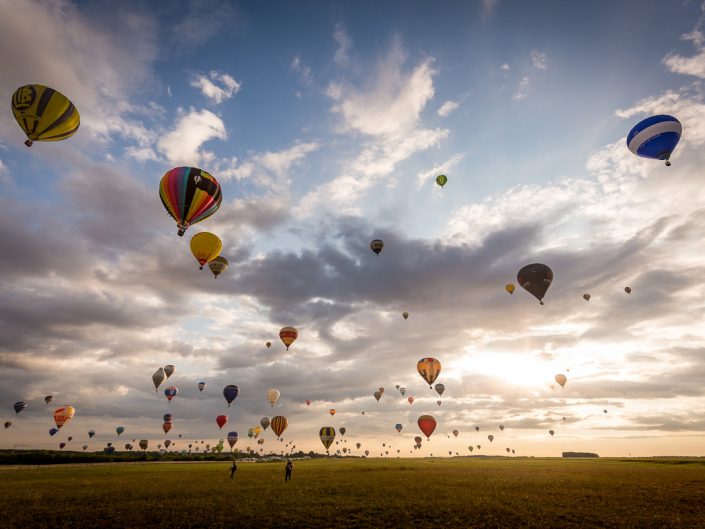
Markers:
point(220, 420)
point(411, 400)
point(427, 424)
point(166, 427)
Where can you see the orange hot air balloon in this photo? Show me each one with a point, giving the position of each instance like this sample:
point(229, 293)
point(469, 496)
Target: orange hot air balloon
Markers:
point(166, 427)
point(220, 420)
point(288, 335)
point(278, 425)
point(63, 415)
point(561, 379)
point(427, 424)
point(332, 411)
point(429, 369)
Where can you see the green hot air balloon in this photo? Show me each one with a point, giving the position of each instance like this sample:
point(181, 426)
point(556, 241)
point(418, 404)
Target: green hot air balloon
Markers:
point(441, 180)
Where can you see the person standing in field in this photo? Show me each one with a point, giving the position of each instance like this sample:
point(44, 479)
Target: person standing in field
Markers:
point(233, 469)
point(289, 468)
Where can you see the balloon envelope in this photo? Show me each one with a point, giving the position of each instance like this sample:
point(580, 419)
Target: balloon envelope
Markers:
point(44, 114)
point(218, 265)
point(189, 195)
point(655, 137)
point(288, 335)
point(91, 433)
point(158, 377)
point(169, 370)
point(441, 180)
point(429, 369)
point(120, 429)
point(561, 379)
point(19, 406)
point(230, 393)
point(509, 287)
point(398, 426)
point(63, 415)
point(535, 279)
point(220, 420)
point(327, 435)
point(48, 398)
point(440, 388)
point(427, 424)
point(264, 421)
point(171, 392)
point(273, 396)
point(377, 395)
point(376, 246)
point(53, 431)
point(201, 386)
point(279, 424)
point(405, 315)
point(205, 246)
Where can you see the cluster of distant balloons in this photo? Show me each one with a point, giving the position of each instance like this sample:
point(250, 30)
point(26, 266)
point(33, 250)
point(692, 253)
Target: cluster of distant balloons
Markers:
point(191, 195)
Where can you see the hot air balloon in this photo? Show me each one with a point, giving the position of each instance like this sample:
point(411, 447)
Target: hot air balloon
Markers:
point(402, 390)
point(189, 195)
point(230, 393)
point(268, 344)
point(509, 287)
point(232, 438)
point(398, 427)
point(381, 391)
point(376, 246)
point(144, 443)
point(586, 297)
point(508, 450)
point(604, 411)
point(327, 435)
point(273, 396)
point(63, 415)
point(218, 265)
point(535, 279)
point(48, 399)
point(279, 424)
point(53, 431)
point(250, 432)
point(332, 411)
point(628, 290)
point(455, 433)
point(501, 427)
point(358, 445)
point(167, 443)
point(439, 402)
point(220, 420)
point(119, 430)
point(429, 369)
point(427, 424)
point(441, 180)
point(342, 431)
point(411, 400)
point(167, 426)
point(440, 388)
point(201, 386)
point(288, 335)
point(308, 402)
point(84, 446)
point(477, 428)
point(91, 433)
point(158, 377)
point(19, 406)
point(258, 430)
point(561, 379)
point(551, 432)
point(397, 387)
point(7, 424)
point(367, 452)
point(655, 137)
point(264, 421)
point(205, 246)
point(168, 417)
point(490, 437)
point(171, 392)
point(62, 445)
point(44, 114)
point(169, 370)
point(377, 395)
point(405, 315)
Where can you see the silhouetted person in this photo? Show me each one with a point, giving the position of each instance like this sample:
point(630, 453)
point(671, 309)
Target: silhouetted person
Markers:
point(233, 469)
point(289, 468)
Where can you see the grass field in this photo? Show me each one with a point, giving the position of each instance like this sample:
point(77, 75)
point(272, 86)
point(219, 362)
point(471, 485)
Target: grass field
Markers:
point(359, 493)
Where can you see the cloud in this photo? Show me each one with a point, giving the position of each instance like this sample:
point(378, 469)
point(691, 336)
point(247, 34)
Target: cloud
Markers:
point(193, 128)
point(538, 60)
point(505, 67)
point(304, 71)
point(424, 176)
point(217, 94)
point(522, 89)
point(344, 43)
point(203, 21)
point(447, 108)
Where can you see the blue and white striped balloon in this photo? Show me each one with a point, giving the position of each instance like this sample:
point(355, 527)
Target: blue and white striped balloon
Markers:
point(655, 137)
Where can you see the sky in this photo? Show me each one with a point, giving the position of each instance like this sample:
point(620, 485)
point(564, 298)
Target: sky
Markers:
point(325, 124)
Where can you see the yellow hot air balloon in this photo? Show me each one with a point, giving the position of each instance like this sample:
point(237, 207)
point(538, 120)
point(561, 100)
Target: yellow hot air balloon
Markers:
point(288, 335)
point(279, 424)
point(205, 247)
point(561, 379)
point(273, 396)
point(429, 369)
point(44, 114)
point(327, 435)
point(63, 415)
point(218, 265)
point(509, 287)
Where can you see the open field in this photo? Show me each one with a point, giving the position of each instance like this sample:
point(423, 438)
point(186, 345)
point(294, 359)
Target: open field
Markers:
point(359, 493)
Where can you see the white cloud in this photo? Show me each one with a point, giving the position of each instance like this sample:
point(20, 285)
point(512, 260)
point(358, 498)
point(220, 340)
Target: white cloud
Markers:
point(424, 176)
point(447, 108)
point(505, 67)
point(538, 60)
point(391, 103)
point(217, 94)
point(192, 129)
point(304, 71)
point(141, 154)
point(522, 89)
point(344, 43)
